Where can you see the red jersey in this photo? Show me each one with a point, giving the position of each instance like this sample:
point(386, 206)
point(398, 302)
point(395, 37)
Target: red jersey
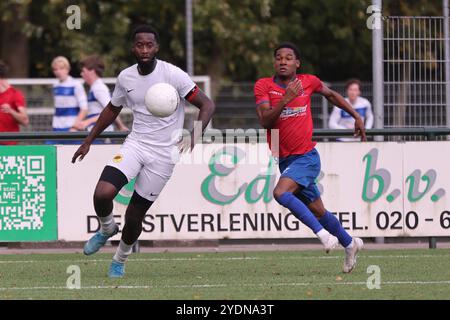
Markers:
point(15, 99)
point(295, 123)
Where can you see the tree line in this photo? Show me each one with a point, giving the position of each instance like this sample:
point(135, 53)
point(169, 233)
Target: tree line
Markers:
point(233, 39)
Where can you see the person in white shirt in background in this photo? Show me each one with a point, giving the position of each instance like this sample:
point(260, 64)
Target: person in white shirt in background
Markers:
point(69, 97)
point(339, 119)
point(92, 68)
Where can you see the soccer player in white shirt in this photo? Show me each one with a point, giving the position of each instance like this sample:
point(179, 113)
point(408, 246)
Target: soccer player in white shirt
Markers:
point(147, 152)
point(339, 119)
point(69, 97)
point(92, 68)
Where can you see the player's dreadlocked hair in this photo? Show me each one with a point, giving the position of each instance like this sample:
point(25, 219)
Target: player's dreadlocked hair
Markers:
point(289, 45)
point(145, 28)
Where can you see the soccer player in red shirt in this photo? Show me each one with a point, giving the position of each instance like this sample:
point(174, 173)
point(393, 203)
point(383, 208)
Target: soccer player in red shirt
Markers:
point(284, 104)
point(12, 106)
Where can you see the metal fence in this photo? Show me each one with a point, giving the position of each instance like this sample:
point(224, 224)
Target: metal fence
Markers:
point(229, 136)
point(40, 106)
point(414, 72)
point(236, 105)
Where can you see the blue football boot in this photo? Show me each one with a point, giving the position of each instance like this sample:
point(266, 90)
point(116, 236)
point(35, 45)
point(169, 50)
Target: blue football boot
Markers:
point(116, 269)
point(97, 241)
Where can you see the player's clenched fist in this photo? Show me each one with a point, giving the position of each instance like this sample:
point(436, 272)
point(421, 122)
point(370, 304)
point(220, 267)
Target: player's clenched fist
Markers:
point(292, 91)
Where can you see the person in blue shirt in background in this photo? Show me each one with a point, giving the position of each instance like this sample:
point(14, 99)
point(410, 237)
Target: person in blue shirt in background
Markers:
point(70, 100)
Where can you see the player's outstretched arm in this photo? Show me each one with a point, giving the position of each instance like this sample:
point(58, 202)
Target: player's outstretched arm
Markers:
point(106, 118)
point(339, 101)
point(207, 109)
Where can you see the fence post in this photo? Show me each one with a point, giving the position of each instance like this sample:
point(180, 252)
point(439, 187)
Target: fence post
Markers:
point(136, 247)
point(377, 75)
point(377, 68)
point(324, 112)
point(432, 241)
point(189, 39)
point(447, 61)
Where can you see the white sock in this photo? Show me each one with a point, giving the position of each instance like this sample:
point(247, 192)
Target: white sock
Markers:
point(122, 252)
point(350, 245)
point(107, 224)
point(323, 235)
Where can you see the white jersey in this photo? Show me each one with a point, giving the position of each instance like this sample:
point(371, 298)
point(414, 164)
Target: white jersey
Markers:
point(98, 98)
point(150, 131)
point(69, 98)
point(340, 119)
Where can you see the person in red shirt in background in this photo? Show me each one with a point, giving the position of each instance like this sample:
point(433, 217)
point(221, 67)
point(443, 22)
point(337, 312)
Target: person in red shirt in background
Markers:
point(283, 106)
point(12, 106)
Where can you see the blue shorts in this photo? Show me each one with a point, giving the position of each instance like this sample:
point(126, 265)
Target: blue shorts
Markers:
point(303, 169)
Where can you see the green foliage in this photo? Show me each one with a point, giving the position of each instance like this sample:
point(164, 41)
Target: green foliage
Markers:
point(233, 39)
point(104, 29)
point(332, 35)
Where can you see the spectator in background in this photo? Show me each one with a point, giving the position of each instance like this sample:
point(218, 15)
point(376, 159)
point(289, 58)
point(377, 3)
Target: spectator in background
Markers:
point(339, 119)
point(92, 68)
point(70, 99)
point(13, 111)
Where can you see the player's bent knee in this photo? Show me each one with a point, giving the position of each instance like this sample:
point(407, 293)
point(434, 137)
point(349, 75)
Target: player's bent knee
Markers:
point(114, 176)
point(285, 185)
point(277, 192)
point(283, 197)
point(104, 192)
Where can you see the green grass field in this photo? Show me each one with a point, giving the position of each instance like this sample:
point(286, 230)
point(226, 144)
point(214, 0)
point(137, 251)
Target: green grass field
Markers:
point(405, 274)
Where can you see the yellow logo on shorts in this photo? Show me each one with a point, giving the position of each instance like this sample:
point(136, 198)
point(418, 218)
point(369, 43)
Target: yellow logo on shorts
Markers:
point(118, 158)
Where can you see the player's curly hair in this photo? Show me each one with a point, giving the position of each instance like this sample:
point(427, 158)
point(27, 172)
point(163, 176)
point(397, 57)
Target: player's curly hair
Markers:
point(4, 69)
point(289, 45)
point(145, 28)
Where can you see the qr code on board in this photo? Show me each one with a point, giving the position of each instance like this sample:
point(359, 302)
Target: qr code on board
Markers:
point(22, 192)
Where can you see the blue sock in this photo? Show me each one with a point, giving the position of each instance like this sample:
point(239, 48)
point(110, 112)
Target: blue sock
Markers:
point(332, 225)
point(300, 210)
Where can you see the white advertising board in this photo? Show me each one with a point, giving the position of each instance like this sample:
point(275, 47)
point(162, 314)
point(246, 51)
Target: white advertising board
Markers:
point(376, 189)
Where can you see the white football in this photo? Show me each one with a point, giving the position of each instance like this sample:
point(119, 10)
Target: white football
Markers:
point(162, 99)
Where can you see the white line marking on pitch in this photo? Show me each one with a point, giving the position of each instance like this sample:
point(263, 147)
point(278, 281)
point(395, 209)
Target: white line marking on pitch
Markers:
point(295, 284)
point(229, 258)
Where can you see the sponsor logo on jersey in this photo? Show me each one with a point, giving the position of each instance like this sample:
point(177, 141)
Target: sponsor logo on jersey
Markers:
point(275, 93)
point(118, 158)
point(294, 112)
